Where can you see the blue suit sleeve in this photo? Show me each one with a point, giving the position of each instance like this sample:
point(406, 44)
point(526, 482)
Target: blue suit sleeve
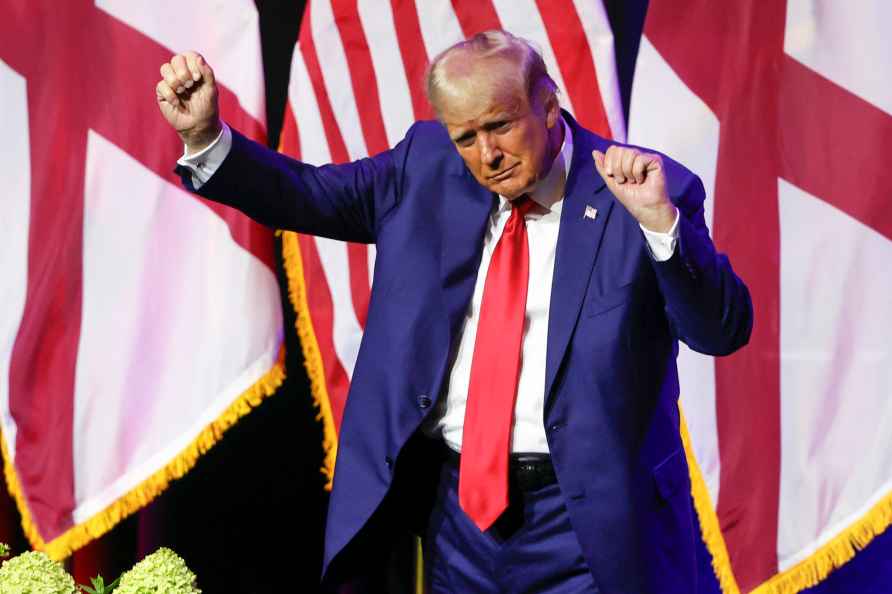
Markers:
point(345, 202)
point(708, 305)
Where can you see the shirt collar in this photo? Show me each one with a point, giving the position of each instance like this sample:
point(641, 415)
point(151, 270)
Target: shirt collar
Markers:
point(549, 192)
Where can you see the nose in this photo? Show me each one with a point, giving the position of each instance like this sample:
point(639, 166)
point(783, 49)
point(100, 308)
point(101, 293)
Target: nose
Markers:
point(490, 151)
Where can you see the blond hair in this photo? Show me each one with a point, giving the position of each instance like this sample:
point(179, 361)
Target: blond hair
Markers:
point(495, 47)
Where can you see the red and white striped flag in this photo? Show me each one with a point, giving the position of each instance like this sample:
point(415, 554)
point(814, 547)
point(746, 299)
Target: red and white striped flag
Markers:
point(356, 87)
point(137, 322)
point(785, 110)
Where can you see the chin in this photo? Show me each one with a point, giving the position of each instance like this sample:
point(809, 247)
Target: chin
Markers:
point(513, 195)
point(513, 189)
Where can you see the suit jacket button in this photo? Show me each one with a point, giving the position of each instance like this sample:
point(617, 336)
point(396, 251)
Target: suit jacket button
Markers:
point(389, 461)
point(424, 401)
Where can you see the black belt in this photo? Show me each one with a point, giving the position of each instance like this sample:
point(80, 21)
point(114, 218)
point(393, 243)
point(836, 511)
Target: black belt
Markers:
point(526, 472)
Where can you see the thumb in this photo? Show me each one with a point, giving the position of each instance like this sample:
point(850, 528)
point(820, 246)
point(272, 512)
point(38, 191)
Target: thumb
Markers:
point(598, 157)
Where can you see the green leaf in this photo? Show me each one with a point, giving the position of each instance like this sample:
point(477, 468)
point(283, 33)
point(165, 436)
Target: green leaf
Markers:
point(99, 586)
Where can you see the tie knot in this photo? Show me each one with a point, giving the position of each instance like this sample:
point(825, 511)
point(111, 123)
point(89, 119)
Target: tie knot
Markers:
point(522, 205)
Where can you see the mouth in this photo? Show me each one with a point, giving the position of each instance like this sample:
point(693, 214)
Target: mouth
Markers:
point(503, 175)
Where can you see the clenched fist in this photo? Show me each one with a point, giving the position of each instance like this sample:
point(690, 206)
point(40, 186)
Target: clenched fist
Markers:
point(638, 181)
point(187, 97)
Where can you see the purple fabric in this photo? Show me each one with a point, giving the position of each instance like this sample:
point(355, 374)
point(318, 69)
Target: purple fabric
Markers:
point(532, 548)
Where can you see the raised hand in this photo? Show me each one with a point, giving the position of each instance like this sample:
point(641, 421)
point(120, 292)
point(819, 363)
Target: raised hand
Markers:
point(187, 97)
point(638, 180)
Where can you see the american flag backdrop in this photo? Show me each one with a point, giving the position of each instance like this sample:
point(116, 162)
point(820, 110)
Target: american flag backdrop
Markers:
point(785, 110)
point(356, 87)
point(773, 105)
point(138, 322)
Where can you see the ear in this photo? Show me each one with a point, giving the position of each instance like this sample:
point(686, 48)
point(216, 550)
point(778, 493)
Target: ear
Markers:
point(552, 110)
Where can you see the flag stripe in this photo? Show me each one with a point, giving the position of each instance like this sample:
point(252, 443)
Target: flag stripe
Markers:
point(575, 63)
point(596, 26)
point(337, 147)
point(522, 18)
point(858, 133)
point(414, 54)
point(319, 301)
point(334, 75)
point(310, 124)
point(360, 285)
point(439, 25)
point(750, 478)
point(45, 352)
point(475, 17)
point(339, 271)
point(309, 98)
point(390, 80)
point(362, 71)
point(128, 119)
point(15, 212)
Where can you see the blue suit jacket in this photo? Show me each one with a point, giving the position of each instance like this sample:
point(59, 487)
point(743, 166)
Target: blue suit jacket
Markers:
point(611, 413)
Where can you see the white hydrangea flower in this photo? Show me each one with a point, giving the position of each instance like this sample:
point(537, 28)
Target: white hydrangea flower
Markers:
point(35, 573)
point(162, 572)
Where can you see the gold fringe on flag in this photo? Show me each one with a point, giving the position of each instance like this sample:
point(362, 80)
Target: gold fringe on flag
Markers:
point(709, 520)
point(839, 550)
point(297, 293)
point(140, 496)
point(805, 574)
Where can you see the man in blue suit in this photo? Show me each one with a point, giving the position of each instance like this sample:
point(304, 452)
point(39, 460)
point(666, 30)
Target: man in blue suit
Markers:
point(515, 395)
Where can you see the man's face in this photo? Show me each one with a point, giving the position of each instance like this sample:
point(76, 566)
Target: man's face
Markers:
point(503, 140)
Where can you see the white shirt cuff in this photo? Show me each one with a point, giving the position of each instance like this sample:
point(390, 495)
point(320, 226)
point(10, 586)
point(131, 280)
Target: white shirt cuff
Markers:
point(205, 162)
point(662, 245)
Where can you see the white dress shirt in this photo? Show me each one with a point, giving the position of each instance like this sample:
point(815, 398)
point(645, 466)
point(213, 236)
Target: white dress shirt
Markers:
point(205, 162)
point(543, 224)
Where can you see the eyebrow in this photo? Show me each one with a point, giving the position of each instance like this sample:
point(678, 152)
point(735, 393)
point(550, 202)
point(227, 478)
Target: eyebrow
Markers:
point(490, 125)
point(464, 136)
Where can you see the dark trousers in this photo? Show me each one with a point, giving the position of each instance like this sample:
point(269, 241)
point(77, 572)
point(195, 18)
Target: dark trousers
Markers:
point(531, 549)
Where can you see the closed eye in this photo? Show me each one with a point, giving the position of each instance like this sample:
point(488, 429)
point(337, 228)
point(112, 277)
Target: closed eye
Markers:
point(466, 139)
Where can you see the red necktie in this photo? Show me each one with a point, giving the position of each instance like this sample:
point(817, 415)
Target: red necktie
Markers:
point(495, 368)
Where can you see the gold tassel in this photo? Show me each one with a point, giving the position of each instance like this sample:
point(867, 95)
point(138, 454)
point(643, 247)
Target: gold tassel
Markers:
point(81, 534)
point(709, 520)
point(805, 574)
point(297, 293)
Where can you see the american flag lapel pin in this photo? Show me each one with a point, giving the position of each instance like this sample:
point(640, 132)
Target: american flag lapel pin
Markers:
point(590, 212)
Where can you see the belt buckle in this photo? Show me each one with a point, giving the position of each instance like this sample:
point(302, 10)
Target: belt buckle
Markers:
point(532, 472)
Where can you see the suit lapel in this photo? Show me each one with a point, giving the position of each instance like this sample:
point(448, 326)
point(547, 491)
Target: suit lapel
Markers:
point(579, 242)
